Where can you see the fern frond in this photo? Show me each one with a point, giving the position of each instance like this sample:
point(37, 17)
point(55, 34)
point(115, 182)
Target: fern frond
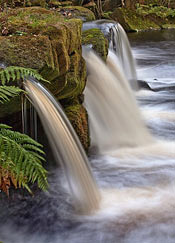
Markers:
point(15, 73)
point(22, 157)
point(7, 92)
point(4, 126)
point(18, 137)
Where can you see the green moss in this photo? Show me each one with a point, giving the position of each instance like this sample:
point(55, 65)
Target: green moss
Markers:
point(73, 82)
point(45, 44)
point(23, 3)
point(131, 21)
point(160, 11)
point(42, 39)
point(56, 4)
point(41, 3)
point(30, 20)
point(26, 51)
point(78, 117)
point(107, 15)
point(98, 41)
point(79, 12)
point(168, 26)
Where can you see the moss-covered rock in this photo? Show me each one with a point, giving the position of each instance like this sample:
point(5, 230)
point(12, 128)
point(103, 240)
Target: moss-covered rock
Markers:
point(27, 51)
point(110, 5)
point(98, 41)
point(42, 3)
point(41, 39)
point(22, 3)
point(161, 15)
point(77, 12)
point(131, 21)
point(38, 38)
point(78, 117)
point(57, 4)
point(145, 17)
point(28, 21)
point(168, 26)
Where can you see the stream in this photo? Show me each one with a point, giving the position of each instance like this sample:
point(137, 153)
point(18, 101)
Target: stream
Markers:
point(137, 185)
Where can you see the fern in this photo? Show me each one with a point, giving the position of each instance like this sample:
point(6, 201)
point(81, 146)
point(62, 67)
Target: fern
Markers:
point(20, 160)
point(14, 73)
point(7, 92)
point(20, 156)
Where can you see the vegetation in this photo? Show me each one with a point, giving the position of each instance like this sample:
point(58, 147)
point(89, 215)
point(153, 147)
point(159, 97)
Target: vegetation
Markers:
point(20, 156)
point(133, 3)
point(160, 11)
point(14, 73)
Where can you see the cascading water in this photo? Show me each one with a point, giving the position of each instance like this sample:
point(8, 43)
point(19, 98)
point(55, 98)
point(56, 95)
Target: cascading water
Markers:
point(33, 123)
point(138, 194)
point(24, 113)
point(115, 120)
point(120, 44)
point(66, 148)
point(29, 119)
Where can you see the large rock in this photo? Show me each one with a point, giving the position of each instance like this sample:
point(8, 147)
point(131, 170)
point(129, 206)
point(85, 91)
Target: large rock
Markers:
point(77, 12)
point(78, 117)
point(131, 21)
point(42, 39)
point(57, 4)
point(22, 3)
point(98, 41)
point(110, 5)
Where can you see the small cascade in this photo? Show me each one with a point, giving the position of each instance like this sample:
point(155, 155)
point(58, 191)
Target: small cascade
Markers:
point(24, 114)
point(120, 45)
point(29, 119)
point(115, 120)
point(66, 147)
point(33, 123)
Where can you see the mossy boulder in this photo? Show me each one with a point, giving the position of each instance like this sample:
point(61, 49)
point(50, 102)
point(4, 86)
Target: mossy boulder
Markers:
point(38, 38)
point(131, 21)
point(77, 12)
point(27, 51)
point(41, 39)
point(57, 4)
point(110, 5)
point(22, 3)
point(168, 26)
point(42, 3)
point(98, 41)
point(78, 117)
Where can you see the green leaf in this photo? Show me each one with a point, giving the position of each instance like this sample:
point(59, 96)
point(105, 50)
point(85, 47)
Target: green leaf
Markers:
point(7, 92)
point(22, 157)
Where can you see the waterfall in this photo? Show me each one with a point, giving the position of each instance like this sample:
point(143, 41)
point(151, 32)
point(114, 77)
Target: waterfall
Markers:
point(24, 113)
point(120, 44)
point(115, 120)
point(33, 123)
point(66, 147)
point(29, 128)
